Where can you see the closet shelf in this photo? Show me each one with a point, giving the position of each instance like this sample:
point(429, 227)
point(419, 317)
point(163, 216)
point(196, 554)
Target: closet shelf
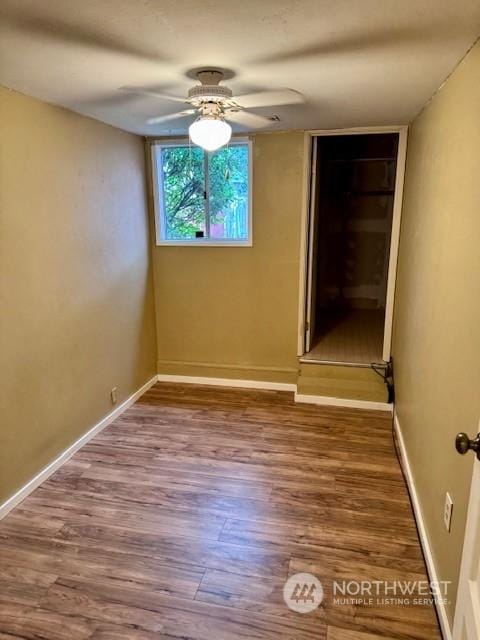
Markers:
point(350, 160)
point(361, 194)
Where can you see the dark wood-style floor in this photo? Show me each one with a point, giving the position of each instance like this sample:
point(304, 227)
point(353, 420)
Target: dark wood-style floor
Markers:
point(184, 518)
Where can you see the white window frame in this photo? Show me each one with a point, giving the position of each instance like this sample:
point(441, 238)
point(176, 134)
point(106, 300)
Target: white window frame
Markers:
point(160, 235)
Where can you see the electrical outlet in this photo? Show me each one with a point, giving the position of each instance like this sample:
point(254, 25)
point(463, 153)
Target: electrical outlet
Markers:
point(113, 395)
point(447, 512)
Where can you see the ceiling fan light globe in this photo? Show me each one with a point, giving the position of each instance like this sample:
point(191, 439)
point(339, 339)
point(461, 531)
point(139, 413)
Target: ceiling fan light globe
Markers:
point(210, 133)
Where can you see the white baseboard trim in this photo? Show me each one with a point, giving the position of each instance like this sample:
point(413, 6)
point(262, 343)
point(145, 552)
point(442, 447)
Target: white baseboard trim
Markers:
point(424, 540)
point(191, 364)
point(228, 382)
point(343, 402)
point(277, 386)
point(45, 473)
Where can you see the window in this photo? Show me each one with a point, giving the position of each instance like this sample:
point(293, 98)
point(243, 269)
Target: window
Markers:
point(202, 198)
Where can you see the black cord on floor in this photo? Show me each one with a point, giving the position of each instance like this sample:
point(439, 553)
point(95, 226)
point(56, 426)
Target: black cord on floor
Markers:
point(379, 369)
point(385, 371)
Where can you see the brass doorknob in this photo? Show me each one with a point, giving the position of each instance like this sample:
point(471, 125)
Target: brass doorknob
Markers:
point(464, 444)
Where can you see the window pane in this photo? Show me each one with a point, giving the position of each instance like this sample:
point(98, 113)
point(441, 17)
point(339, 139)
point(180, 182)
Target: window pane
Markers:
point(228, 183)
point(183, 192)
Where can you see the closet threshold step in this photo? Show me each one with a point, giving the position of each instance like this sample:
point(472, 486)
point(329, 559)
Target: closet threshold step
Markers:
point(340, 363)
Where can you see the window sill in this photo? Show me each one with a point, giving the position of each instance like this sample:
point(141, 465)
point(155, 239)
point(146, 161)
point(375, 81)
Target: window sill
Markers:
point(204, 243)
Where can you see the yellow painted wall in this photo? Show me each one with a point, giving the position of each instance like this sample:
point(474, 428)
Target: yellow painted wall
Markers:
point(437, 310)
point(76, 295)
point(233, 311)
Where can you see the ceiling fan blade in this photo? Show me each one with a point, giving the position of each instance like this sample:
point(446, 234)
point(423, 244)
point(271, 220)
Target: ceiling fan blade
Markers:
point(269, 98)
point(154, 94)
point(171, 116)
point(347, 43)
point(249, 120)
point(61, 30)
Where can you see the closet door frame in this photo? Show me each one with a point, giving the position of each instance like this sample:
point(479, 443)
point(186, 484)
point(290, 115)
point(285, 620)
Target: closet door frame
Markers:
point(307, 212)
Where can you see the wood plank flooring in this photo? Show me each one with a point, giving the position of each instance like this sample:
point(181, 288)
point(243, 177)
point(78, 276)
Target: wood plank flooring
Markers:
point(184, 518)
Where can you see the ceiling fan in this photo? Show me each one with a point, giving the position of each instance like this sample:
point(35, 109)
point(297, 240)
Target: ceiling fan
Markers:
point(214, 104)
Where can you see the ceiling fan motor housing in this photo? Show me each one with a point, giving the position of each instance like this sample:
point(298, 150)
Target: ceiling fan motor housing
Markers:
point(211, 93)
point(209, 89)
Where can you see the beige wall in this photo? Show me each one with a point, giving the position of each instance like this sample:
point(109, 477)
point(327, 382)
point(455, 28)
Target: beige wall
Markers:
point(77, 309)
point(437, 310)
point(76, 301)
point(232, 311)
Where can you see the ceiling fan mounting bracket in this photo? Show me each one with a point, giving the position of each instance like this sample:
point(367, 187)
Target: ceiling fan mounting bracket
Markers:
point(210, 77)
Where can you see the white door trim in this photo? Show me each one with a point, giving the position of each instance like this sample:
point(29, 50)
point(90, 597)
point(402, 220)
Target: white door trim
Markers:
point(394, 242)
point(402, 130)
point(311, 250)
point(464, 597)
point(304, 234)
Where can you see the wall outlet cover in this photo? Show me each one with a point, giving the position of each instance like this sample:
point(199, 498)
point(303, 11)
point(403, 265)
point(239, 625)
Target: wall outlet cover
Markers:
point(447, 512)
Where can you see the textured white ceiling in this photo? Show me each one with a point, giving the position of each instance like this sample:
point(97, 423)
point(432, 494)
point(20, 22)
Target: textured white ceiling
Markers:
point(357, 62)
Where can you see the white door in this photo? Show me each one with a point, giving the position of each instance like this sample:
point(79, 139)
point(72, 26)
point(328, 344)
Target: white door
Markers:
point(310, 316)
point(466, 625)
